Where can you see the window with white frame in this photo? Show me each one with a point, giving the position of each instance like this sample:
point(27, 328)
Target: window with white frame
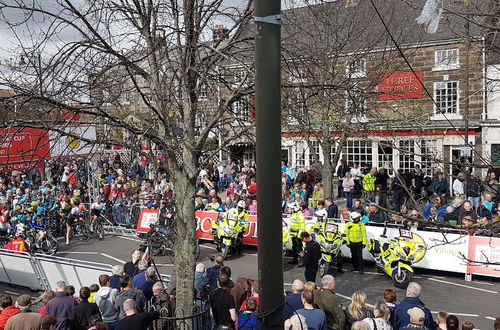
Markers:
point(300, 154)
point(446, 96)
point(355, 102)
point(315, 151)
point(429, 156)
point(407, 155)
point(241, 109)
point(358, 152)
point(385, 156)
point(446, 59)
point(333, 150)
point(356, 68)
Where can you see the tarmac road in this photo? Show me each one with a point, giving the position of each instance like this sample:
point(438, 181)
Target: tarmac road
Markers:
point(476, 301)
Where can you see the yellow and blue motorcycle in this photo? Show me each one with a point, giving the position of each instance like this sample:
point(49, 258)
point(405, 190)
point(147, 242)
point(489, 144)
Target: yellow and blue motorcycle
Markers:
point(226, 232)
point(328, 237)
point(395, 256)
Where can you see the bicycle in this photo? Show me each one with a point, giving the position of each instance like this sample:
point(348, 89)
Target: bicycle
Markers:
point(81, 230)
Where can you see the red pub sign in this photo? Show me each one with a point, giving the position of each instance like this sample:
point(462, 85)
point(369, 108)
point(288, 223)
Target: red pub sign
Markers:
point(400, 85)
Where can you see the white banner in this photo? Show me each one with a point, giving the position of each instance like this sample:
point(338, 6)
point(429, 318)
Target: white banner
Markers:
point(76, 140)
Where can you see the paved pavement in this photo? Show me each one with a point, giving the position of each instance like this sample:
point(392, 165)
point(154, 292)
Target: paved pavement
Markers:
point(476, 301)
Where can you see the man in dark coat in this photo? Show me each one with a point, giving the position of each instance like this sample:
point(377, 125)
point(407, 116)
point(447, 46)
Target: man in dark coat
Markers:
point(310, 256)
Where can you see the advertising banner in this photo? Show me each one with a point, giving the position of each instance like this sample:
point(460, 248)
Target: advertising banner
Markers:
point(444, 251)
point(204, 227)
point(23, 149)
point(484, 256)
point(146, 218)
point(76, 141)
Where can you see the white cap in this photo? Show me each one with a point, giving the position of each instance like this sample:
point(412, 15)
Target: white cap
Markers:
point(242, 204)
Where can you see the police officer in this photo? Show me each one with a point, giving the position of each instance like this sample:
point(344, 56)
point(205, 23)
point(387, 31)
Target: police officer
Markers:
point(242, 215)
point(297, 225)
point(355, 238)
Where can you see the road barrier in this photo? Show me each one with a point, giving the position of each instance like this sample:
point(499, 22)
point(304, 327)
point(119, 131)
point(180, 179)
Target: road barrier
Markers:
point(42, 272)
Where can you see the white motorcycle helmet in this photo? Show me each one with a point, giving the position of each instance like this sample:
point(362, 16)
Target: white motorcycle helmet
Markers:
point(241, 204)
point(294, 206)
point(355, 215)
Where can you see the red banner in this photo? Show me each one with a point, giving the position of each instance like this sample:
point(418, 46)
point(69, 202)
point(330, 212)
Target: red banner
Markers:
point(146, 218)
point(23, 149)
point(204, 227)
point(484, 256)
point(400, 86)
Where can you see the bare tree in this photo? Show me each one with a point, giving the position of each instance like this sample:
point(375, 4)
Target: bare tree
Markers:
point(142, 68)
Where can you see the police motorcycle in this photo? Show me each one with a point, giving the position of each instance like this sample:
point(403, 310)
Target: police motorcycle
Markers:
point(329, 239)
point(228, 229)
point(395, 256)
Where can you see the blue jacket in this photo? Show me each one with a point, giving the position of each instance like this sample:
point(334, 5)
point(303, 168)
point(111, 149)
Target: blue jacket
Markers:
point(400, 317)
point(200, 281)
point(213, 274)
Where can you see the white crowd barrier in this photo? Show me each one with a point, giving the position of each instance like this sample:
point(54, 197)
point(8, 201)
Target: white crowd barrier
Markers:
point(42, 272)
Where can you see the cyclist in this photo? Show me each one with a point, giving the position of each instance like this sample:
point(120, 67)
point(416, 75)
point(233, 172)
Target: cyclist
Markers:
point(76, 214)
point(96, 209)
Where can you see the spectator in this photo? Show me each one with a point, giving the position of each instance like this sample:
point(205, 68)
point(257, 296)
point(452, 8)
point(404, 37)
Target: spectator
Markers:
point(70, 291)
point(140, 277)
point(247, 320)
point(105, 299)
point(25, 319)
point(400, 316)
point(48, 322)
point(487, 207)
point(47, 296)
point(93, 290)
point(417, 320)
point(315, 318)
point(214, 271)
point(474, 190)
point(61, 306)
point(467, 211)
point(390, 299)
point(369, 185)
point(492, 186)
point(96, 323)
point(296, 322)
point(310, 286)
point(332, 210)
point(326, 299)
point(358, 207)
point(381, 320)
point(134, 319)
point(467, 325)
point(222, 304)
point(147, 286)
point(439, 185)
point(496, 324)
point(310, 256)
point(128, 292)
point(458, 184)
point(348, 188)
point(80, 314)
point(160, 299)
point(201, 278)
point(114, 280)
point(452, 322)
point(342, 170)
point(254, 295)
point(130, 268)
point(7, 310)
point(376, 214)
point(441, 320)
point(399, 189)
point(360, 325)
point(293, 301)
point(357, 310)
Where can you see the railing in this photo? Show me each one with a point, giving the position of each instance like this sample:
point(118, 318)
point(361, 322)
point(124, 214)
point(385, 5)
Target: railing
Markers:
point(199, 319)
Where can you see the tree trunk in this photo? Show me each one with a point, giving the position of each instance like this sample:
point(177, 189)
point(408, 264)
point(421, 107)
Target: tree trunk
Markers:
point(185, 244)
point(327, 169)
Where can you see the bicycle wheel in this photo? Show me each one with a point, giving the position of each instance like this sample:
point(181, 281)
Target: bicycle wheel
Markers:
point(49, 246)
point(100, 231)
point(83, 232)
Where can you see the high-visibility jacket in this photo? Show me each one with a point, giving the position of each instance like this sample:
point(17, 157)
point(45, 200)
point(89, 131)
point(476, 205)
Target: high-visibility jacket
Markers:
point(369, 182)
point(297, 222)
point(243, 216)
point(355, 232)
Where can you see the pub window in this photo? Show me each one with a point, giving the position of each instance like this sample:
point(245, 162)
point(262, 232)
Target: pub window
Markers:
point(446, 59)
point(446, 96)
point(357, 68)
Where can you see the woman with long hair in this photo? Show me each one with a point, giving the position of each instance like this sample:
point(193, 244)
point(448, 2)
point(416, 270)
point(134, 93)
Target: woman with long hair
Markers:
point(357, 310)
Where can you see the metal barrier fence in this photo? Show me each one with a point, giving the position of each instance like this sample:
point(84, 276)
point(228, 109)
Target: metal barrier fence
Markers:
point(41, 272)
point(199, 319)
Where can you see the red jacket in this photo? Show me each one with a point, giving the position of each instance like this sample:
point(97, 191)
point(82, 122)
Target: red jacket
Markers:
point(6, 314)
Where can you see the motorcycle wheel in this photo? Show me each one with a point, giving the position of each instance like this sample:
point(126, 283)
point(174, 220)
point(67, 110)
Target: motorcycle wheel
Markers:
point(225, 251)
point(49, 246)
point(403, 279)
point(324, 266)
